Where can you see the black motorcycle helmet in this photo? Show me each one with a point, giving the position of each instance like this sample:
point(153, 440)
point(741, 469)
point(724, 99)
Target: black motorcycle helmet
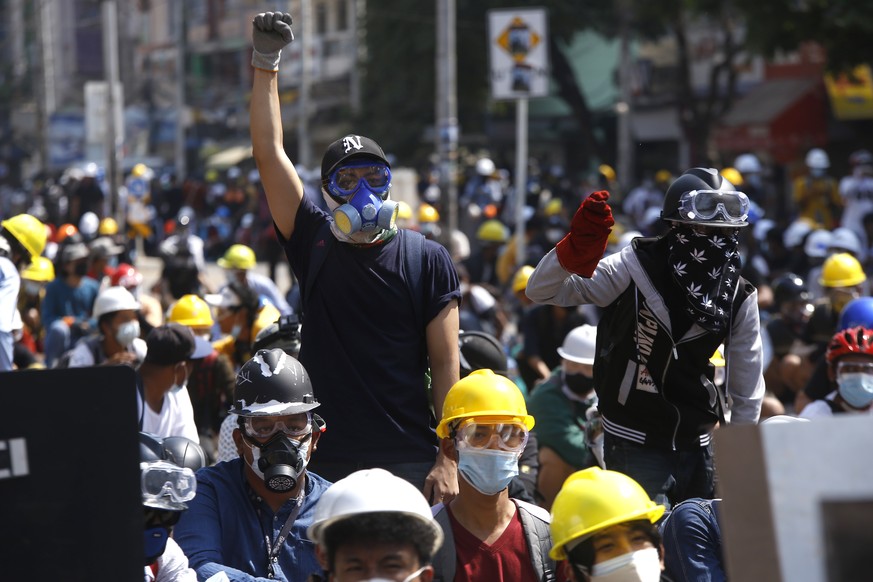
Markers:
point(696, 179)
point(477, 350)
point(283, 334)
point(179, 451)
point(789, 287)
point(272, 383)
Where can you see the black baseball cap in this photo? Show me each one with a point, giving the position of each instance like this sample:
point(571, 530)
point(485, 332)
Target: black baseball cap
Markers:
point(169, 344)
point(348, 147)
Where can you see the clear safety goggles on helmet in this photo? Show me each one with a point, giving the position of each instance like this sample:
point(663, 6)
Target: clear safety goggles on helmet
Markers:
point(479, 435)
point(264, 427)
point(854, 368)
point(707, 204)
point(344, 181)
point(161, 479)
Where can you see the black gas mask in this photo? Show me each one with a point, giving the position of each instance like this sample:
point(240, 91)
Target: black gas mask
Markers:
point(280, 461)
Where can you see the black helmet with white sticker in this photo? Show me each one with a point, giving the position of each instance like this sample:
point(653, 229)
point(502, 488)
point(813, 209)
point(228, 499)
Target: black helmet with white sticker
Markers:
point(272, 383)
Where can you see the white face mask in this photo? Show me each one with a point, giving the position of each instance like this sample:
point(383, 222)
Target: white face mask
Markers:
point(176, 387)
point(409, 578)
point(127, 332)
point(639, 566)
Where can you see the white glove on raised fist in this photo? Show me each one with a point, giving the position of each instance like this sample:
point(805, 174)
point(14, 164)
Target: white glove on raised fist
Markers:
point(271, 32)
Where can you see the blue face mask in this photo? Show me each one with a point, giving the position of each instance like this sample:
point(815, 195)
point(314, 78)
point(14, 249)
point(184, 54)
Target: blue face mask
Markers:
point(489, 471)
point(856, 389)
point(154, 543)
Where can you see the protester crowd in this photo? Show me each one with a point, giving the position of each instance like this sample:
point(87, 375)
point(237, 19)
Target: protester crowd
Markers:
point(428, 405)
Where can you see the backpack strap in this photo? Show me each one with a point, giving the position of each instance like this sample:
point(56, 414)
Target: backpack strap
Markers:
point(535, 525)
point(413, 257)
point(445, 558)
point(323, 244)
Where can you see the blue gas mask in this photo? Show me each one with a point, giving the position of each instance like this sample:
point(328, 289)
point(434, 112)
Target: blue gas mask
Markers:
point(362, 189)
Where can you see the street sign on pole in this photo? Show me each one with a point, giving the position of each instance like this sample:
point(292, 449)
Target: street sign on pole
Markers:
point(518, 40)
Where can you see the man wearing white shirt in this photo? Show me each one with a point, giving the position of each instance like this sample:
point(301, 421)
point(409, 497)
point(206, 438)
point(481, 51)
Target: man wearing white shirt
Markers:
point(164, 404)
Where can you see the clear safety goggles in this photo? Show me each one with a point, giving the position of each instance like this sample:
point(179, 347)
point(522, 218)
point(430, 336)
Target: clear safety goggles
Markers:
point(479, 435)
point(295, 426)
point(344, 181)
point(161, 479)
point(707, 204)
point(854, 368)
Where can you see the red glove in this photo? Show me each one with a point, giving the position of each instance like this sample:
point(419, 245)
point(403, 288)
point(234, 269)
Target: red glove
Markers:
point(581, 250)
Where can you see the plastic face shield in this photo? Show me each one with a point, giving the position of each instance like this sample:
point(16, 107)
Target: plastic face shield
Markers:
point(482, 435)
point(703, 205)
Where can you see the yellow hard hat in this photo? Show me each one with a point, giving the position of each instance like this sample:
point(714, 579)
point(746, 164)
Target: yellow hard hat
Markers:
point(733, 176)
point(592, 500)
point(427, 213)
point(404, 210)
point(663, 176)
point(190, 310)
point(139, 170)
point(519, 282)
point(238, 257)
point(493, 231)
point(108, 227)
point(841, 270)
point(267, 315)
point(27, 230)
point(40, 269)
point(554, 207)
point(483, 393)
point(607, 171)
point(717, 358)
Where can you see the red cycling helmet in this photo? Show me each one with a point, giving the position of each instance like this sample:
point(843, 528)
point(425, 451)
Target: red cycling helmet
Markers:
point(126, 276)
point(856, 340)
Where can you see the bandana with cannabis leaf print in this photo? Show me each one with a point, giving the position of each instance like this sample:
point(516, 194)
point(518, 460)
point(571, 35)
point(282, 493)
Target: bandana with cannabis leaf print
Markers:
point(706, 267)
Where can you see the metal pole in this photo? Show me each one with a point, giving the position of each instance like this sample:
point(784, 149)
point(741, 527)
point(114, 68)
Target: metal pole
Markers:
point(447, 109)
point(46, 25)
point(625, 161)
point(521, 119)
point(304, 151)
point(181, 162)
point(110, 63)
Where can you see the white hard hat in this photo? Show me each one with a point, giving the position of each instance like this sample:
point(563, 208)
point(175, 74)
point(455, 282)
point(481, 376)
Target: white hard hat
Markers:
point(371, 491)
point(817, 243)
point(580, 345)
point(793, 235)
point(88, 224)
point(846, 239)
point(817, 158)
point(759, 231)
point(114, 299)
point(485, 167)
point(747, 164)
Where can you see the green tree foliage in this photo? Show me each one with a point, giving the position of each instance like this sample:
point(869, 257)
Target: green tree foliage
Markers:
point(842, 27)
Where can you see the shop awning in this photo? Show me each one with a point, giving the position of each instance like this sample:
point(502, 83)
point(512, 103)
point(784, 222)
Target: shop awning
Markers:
point(783, 117)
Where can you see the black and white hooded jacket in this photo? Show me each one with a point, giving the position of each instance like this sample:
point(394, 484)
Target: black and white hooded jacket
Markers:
point(654, 389)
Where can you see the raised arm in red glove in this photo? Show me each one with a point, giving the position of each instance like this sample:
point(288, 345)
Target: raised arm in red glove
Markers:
point(580, 251)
